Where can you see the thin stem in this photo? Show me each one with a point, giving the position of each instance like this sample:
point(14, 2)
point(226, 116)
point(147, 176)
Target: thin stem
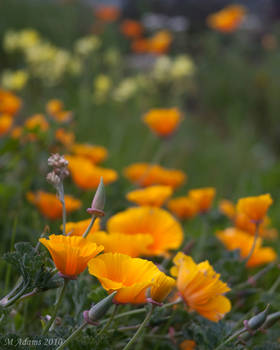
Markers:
point(9, 302)
point(59, 300)
point(72, 336)
point(243, 330)
point(254, 244)
point(143, 325)
point(12, 292)
point(60, 190)
point(274, 286)
point(103, 330)
point(89, 226)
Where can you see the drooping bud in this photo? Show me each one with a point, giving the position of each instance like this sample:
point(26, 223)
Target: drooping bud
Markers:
point(98, 310)
point(258, 320)
point(98, 202)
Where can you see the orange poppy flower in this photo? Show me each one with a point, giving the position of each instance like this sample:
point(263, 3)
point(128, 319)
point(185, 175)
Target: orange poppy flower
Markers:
point(167, 233)
point(132, 245)
point(6, 122)
point(107, 13)
point(154, 196)
point(86, 175)
point(36, 121)
point(233, 239)
point(55, 108)
point(64, 137)
point(228, 19)
point(9, 103)
point(70, 254)
point(140, 45)
point(227, 208)
point(187, 345)
point(201, 288)
point(163, 121)
point(203, 198)
point(49, 205)
point(160, 42)
point(255, 208)
point(145, 174)
point(131, 28)
point(79, 227)
point(96, 154)
point(130, 277)
point(183, 207)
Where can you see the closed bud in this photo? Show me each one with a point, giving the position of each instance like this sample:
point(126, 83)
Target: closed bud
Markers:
point(98, 202)
point(257, 321)
point(98, 310)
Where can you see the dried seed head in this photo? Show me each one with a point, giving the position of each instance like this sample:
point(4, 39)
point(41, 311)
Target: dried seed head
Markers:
point(53, 178)
point(57, 161)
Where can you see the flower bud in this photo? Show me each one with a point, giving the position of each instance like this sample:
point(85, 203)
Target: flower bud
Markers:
point(98, 202)
point(98, 310)
point(257, 321)
point(271, 320)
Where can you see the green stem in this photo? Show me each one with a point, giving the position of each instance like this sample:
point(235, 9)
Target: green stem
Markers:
point(274, 286)
point(103, 330)
point(143, 325)
point(243, 330)
point(60, 190)
point(254, 244)
point(89, 226)
point(11, 301)
point(59, 300)
point(72, 336)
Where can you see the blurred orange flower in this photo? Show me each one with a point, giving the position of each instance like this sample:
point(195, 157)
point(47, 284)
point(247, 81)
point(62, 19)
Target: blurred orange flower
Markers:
point(163, 121)
point(79, 227)
point(167, 233)
point(154, 196)
point(9, 103)
point(70, 254)
point(130, 277)
point(96, 154)
point(187, 345)
point(227, 208)
point(140, 45)
point(107, 13)
point(145, 174)
point(86, 175)
point(6, 122)
point(160, 42)
point(55, 108)
point(203, 198)
point(49, 205)
point(66, 138)
point(233, 238)
point(131, 28)
point(201, 288)
point(132, 245)
point(183, 207)
point(228, 19)
point(36, 121)
point(255, 208)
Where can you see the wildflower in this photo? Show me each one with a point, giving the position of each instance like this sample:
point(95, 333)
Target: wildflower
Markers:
point(96, 154)
point(203, 198)
point(102, 85)
point(130, 277)
point(228, 19)
point(9, 103)
point(183, 207)
point(154, 196)
point(145, 174)
point(14, 80)
point(255, 208)
point(36, 122)
point(49, 205)
point(234, 239)
point(163, 121)
point(55, 109)
point(161, 288)
point(107, 13)
point(126, 89)
point(66, 138)
point(79, 227)
point(187, 345)
point(183, 66)
point(160, 42)
point(70, 254)
point(6, 122)
point(131, 28)
point(16, 132)
point(227, 208)
point(201, 288)
point(86, 175)
point(132, 245)
point(87, 45)
point(140, 45)
point(167, 233)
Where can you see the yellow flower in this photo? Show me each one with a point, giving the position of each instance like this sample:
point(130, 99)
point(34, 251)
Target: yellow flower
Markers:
point(86, 175)
point(132, 245)
point(233, 238)
point(49, 205)
point(167, 233)
point(203, 198)
point(201, 288)
point(70, 254)
point(6, 122)
point(154, 196)
point(163, 121)
point(96, 154)
point(183, 207)
point(145, 174)
point(14, 80)
point(228, 19)
point(255, 207)
point(79, 227)
point(130, 277)
point(162, 286)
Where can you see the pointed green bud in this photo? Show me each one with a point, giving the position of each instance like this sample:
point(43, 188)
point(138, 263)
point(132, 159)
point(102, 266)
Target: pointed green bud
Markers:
point(257, 321)
point(98, 202)
point(98, 310)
